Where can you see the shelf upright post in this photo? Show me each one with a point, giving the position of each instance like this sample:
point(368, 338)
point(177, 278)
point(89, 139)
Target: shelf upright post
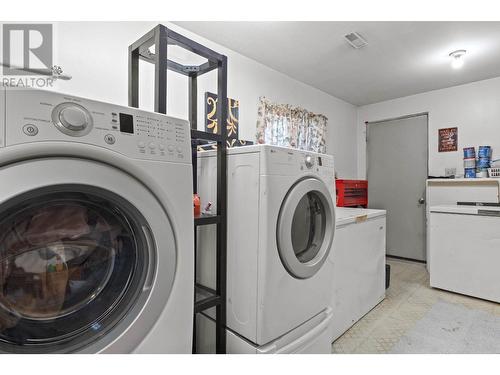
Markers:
point(133, 77)
point(161, 55)
point(193, 120)
point(221, 203)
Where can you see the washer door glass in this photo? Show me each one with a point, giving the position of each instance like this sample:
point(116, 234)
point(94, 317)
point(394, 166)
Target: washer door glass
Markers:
point(305, 228)
point(71, 266)
point(308, 227)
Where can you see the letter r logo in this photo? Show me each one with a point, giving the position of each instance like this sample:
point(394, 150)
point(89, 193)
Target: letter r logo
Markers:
point(27, 46)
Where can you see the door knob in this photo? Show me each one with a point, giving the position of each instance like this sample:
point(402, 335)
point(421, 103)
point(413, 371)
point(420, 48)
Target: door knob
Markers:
point(421, 201)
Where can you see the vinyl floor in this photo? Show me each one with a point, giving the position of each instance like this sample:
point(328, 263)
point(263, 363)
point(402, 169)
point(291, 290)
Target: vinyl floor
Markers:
point(415, 318)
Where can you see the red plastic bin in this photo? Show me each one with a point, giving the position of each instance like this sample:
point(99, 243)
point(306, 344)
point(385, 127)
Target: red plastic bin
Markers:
point(352, 193)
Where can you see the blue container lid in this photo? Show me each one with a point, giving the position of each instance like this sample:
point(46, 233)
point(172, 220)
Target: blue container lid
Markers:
point(484, 151)
point(469, 152)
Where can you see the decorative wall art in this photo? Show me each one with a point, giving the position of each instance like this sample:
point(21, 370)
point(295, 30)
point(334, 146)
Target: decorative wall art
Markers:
point(448, 139)
point(211, 126)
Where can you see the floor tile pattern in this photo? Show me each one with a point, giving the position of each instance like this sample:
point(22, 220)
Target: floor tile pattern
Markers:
point(407, 300)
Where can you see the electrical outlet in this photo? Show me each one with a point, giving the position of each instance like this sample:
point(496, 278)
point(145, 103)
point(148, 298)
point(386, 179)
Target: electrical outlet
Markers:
point(450, 172)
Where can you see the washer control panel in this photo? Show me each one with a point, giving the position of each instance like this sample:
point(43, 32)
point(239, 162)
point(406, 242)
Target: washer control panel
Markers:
point(34, 115)
point(286, 161)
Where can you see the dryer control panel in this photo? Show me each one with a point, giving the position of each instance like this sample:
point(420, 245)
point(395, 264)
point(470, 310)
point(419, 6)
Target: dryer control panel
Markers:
point(35, 115)
point(291, 162)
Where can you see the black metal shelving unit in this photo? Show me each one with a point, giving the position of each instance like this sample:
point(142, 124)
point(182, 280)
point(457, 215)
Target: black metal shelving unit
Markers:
point(161, 37)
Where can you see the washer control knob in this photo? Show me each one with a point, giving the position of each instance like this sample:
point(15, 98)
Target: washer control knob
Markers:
point(109, 139)
point(152, 145)
point(170, 148)
point(161, 147)
point(309, 161)
point(30, 129)
point(72, 119)
point(141, 144)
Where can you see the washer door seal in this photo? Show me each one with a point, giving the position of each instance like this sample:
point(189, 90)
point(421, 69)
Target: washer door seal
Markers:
point(305, 228)
point(79, 259)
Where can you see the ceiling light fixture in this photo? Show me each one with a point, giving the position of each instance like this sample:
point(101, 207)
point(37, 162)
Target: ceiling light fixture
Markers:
point(457, 58)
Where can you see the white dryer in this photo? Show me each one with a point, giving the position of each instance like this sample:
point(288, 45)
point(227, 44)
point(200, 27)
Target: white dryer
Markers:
point(95, 227)
point(281, 224)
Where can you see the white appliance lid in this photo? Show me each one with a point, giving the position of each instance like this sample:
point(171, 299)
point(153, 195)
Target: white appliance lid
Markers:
point(346, 215)
point(257, 148)
point(462, 209)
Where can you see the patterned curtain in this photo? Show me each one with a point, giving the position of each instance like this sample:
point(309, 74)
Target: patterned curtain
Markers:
point(284, 125)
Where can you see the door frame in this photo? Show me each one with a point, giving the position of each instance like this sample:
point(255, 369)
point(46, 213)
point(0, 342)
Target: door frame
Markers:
point(427, 166)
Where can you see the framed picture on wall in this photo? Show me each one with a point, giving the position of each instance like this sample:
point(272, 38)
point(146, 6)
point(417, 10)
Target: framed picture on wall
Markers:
point(232, 122)
point(448, 139)
point(233, 114)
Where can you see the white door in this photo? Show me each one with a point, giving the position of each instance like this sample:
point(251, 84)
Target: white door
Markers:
point(78, 257)
point(397, 172)
point(306, 225)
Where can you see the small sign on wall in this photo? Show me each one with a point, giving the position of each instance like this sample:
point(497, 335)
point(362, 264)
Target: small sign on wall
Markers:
point(448, 139)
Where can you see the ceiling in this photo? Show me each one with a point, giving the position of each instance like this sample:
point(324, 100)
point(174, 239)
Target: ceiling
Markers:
point(401, 58)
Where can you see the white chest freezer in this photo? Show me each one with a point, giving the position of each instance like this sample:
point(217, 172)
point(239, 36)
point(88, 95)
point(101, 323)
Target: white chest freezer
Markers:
point(450, 191)
point(465, 250)
point(358, 259)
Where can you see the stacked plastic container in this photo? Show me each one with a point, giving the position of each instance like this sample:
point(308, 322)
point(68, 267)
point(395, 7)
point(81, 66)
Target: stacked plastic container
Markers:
point(477, 167)
point(469, 162)
point(483, 161)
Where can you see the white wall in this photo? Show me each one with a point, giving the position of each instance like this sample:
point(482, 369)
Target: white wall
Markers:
point(474, 108)
point(96, 55)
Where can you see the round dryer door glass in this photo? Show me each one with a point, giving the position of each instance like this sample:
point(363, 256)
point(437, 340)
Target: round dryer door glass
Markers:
point(306, 225)
point(70, 267)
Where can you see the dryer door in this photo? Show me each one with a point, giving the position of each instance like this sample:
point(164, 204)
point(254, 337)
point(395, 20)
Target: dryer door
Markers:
point(306, 225)
point(78, 257)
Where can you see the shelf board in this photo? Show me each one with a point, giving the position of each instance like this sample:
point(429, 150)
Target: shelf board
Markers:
point(206, 219)
point(205, 298)
point(198, 134)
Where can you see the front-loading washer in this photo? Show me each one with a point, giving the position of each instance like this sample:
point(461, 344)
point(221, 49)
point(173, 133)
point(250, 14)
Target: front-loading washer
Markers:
point(281, 224)
point(95, 227)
